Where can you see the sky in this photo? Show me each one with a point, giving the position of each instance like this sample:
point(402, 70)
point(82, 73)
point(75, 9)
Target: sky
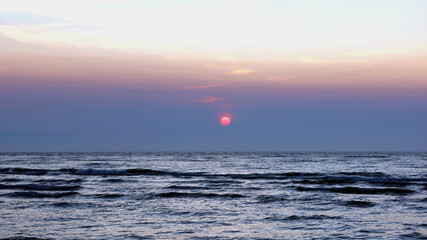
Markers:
point(134, 75)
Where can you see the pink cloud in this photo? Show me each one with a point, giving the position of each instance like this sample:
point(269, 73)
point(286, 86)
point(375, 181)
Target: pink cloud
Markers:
point(274, 78)
point(209, 99)
point(208, 86)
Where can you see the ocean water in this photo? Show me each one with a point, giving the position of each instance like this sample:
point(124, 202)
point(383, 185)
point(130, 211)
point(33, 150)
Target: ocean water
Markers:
point(213, 195)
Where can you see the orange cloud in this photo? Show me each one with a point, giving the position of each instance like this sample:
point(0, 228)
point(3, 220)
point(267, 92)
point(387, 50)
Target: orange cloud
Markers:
point(242, 71)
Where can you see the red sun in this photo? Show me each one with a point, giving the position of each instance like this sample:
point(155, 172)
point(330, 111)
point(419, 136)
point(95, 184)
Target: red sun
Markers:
point(225, 121)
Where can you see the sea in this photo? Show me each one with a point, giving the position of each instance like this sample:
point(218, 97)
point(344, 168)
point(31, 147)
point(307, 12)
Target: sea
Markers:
point(218, 195)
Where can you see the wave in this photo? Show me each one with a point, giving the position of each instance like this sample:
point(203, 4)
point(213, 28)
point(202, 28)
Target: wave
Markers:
point(26, 171)
point(56, 180)
point(138, 171)
point(271, 176)
point(147, 172)
point(63, 204)
point(301, 217)
point(10, 180)
point(367, 156)
point(358, 203)
point(325, 181)
point(382, 181)
point(108, 195)
point(358, 190)
point(377, 178)
point(113, 180)
point(25, 238)
point(40, 187)
point(32, 194)
point(196, 195)
point(271, 198)
point(414, 235)
point(364, 174)
point(187, 187)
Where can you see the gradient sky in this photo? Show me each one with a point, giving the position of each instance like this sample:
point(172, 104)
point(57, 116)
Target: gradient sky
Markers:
point(133, 75)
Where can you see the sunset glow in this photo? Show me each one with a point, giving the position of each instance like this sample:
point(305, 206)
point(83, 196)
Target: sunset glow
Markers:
point(214, 56)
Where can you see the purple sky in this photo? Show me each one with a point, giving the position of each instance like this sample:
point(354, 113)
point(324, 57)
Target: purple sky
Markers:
point(145, 76)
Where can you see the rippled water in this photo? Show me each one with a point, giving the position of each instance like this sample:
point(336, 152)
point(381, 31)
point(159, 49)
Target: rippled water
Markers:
point(213, 195)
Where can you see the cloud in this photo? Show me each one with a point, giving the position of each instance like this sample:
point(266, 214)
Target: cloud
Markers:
point(374, 52)
point(242, 71)
point(28, 19)
point(208, 86)
point(365, 63)
point(60, 34)
point(226, 58)
point(209, 99)
point(309, 60)
point(274, 78)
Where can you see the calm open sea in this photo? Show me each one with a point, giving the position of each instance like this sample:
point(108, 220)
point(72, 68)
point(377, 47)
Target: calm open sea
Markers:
point(213, 195)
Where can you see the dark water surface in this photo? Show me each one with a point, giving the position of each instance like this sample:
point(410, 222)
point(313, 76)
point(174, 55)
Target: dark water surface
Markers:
point(213, 195)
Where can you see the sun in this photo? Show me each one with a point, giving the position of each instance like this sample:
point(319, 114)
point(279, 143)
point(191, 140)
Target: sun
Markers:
point(225, 121)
